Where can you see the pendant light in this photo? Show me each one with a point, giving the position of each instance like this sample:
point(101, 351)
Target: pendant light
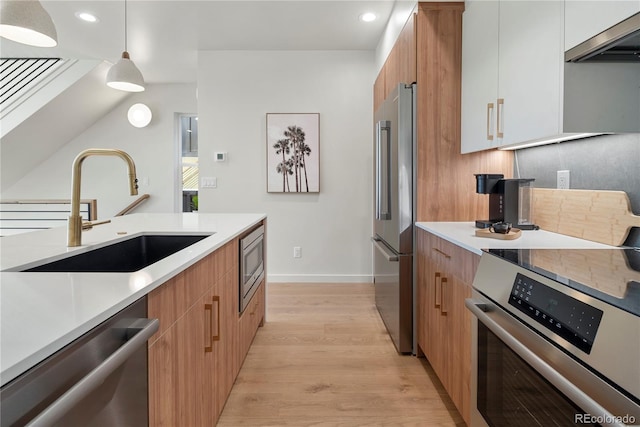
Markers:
point(26, 21)
point(124, 75)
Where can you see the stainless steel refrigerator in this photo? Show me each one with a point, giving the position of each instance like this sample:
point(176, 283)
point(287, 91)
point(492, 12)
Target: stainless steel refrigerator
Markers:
point(394, 200)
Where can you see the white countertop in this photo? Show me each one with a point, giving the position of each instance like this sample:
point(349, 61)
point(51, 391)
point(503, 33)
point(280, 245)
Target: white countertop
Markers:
point(463, 235)
point(42, 312)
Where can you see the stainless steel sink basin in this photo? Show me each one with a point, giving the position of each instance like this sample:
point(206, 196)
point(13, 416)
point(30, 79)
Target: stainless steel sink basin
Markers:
point(122, 257)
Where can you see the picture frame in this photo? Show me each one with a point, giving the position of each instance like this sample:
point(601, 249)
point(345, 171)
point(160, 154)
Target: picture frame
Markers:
point(293, 152)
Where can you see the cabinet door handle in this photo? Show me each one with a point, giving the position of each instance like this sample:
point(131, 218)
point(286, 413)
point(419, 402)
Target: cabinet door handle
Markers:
point(216, 337)
point(208, 348)
point(489, 121)
point(209, 336)
point(443, 282)
point(500, 125)
point(446, 255)
point(436, 286)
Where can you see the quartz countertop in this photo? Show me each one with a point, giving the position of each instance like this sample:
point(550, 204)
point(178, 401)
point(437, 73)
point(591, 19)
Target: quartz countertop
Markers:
point(42, 312)
point(463, 235)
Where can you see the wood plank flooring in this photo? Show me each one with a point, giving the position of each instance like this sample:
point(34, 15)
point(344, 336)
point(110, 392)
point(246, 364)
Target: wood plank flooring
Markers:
point(324, 358)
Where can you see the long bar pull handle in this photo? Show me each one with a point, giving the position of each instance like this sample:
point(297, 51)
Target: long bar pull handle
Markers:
point(216, 337)
point(573, 393)
point(444, 254)
point(383, 168)
point(443, 282)
point(489, 121)
point(208, 334)
point(143, 329)
point(500, 125)
point(437, 298)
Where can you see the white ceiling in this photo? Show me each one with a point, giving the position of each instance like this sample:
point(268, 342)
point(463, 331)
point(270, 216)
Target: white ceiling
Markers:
point(164, 36)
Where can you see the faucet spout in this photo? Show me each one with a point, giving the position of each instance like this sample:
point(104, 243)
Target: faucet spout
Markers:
point(74, 236)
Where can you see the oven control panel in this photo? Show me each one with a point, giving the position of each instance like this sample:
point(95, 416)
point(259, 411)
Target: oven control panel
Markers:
point(571, 319)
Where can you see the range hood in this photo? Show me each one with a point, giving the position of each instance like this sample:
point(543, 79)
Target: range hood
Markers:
point(620, 43)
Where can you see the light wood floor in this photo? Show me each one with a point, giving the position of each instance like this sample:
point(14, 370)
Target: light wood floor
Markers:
point(324, 358)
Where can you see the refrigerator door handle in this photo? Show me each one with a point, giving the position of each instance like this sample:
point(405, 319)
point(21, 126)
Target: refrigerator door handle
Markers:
point(383, 168)
point(390, 256)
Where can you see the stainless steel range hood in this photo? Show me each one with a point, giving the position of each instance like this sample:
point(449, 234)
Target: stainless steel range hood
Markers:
point(620, 43)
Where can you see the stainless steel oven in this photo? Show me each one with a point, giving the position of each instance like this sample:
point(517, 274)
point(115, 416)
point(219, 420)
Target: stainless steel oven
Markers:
point(549, 350)
point(251, 264)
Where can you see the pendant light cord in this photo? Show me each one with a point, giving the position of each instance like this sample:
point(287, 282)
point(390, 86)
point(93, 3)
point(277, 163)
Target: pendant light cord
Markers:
point(125, 25)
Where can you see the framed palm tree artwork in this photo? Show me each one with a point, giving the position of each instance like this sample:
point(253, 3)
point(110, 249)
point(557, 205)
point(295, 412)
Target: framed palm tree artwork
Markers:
point(293, 152)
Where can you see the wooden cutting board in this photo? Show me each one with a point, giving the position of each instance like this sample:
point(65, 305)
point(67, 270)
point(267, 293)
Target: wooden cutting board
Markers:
point(596, 215)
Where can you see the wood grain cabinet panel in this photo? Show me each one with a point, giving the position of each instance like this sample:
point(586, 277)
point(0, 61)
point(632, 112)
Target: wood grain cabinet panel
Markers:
point(195, 357)
point(250, 320)
point(444, 277)
point(400, 65)
point(429, 52)
point(177, 386)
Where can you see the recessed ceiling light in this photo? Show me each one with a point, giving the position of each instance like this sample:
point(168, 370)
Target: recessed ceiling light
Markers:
point(368, 17)
point(86, 16)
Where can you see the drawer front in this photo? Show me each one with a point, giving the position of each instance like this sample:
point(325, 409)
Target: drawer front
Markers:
point(453, 259)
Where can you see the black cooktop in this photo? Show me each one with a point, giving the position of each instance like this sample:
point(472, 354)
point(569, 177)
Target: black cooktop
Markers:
point(610, 275)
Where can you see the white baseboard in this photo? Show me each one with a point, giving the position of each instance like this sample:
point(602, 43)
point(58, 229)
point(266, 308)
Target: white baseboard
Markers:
point(319, 278)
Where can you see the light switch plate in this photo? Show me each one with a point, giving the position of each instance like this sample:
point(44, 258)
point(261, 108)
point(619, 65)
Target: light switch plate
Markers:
point(208, 182)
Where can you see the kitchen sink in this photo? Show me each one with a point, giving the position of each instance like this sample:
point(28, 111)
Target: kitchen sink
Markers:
point(123, 257)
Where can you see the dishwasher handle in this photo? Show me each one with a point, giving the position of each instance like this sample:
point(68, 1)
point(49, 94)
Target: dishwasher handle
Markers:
point(139, 331)
point(576, 395)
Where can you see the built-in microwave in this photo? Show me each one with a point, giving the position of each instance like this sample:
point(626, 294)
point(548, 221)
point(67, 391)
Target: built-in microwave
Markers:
point(251, 264)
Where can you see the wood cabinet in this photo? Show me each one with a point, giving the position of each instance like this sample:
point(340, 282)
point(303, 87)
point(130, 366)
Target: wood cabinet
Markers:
point(587, 18)
point(445, 182)
point(431, 46)
point(400, 65)
point(250, 320)
point(195, 357)
point(444, 277)
point(512, 83)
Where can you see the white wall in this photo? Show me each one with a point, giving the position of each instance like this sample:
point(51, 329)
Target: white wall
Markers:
point(235, 91)
point(105, 178)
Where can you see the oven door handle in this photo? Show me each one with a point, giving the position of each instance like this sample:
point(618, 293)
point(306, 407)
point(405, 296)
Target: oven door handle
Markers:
point(576, 395)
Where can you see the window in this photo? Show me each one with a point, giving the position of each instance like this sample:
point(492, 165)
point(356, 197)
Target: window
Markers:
point(189, 162)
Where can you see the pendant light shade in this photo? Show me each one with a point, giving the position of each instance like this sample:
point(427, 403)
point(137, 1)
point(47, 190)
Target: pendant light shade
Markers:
point(124, 75)
point(26, 21)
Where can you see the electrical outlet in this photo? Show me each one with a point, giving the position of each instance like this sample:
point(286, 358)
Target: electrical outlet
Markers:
point(297, 252)
point(563, 179)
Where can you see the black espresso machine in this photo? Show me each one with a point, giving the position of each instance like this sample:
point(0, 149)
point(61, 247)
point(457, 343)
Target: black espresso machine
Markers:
point(509, 201)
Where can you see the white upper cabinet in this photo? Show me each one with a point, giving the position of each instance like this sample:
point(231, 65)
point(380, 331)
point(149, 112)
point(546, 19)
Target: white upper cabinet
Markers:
point(516, 85)
point(512, 56)
point(531, 59)
point(479, 74)
point(586, 18)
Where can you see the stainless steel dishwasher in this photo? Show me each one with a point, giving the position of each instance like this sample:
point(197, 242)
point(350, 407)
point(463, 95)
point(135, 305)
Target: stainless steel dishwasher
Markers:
point(98, 380)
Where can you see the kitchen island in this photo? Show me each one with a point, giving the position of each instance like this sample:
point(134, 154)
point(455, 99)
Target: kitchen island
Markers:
point(40, 313)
